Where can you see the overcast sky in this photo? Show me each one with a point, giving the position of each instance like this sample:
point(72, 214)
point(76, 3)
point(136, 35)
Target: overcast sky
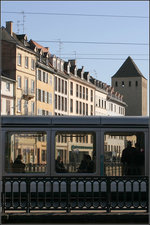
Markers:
point(103, 24)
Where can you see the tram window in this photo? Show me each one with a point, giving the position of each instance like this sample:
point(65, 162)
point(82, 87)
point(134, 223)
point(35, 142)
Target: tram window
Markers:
point(126, 156)
point(26, 152)
point(74, 156)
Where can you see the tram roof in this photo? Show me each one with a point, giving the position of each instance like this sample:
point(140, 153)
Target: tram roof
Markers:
point(74, 120)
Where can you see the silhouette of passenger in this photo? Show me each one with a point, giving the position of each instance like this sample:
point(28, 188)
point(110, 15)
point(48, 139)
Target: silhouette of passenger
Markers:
point(87, 165)
point(129, 160)
point(60, 168)
point(18, 166)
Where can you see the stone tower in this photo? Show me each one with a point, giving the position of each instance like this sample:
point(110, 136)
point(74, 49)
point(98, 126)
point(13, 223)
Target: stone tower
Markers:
point(130, 82)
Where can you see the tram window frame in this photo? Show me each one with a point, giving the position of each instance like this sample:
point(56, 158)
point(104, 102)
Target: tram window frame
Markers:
point(32, 131)
point(77, 131)
point(128, 132)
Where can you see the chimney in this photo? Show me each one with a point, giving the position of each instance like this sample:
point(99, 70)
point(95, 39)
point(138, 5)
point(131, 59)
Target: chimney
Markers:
point(9, 27)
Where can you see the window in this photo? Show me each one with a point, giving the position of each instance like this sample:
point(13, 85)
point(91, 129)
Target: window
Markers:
point(136, 83)
point(39, 75)
point(44, 80)
point(91, 95)
point(71, 105)
point(59, 84)
point(19, 59)
point(71, 88)
point(19, 81)
point(76, 90)
point(32, 108)
point(50, 78)
point(32, 86)
point(122, 83)
point(26, 85)
point(65, 104)
point(59, 102)
point(83, 108)
point(7, 86)
point(83, 92)
point(77, 107)
point(55, 83)
point(50, 98)
point(24, 152)
point(86, 93)
point(19, 105)
point(80, 108)
point(91, 110)
point(117, 161)
point(26, 61)
point(62, 105)
point(80, 91)
point(129, 83)
point(82, 159)
point(65, 87)
point(55, 101)
point(32, 64)
point(87, 109)
point(116, 84)
point(62, 86)
point(7, 107)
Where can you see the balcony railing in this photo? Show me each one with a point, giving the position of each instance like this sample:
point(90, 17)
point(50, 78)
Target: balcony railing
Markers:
point(28, 94)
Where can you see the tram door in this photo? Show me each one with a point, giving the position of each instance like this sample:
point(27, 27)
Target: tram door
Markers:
point(124, 153)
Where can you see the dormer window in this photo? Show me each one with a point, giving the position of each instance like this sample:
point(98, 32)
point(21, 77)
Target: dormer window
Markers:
point(62, 66)
point(40, 58)
point(75, 71)
point(58, 64)
point(54, 63)
point(46, 61)
point(68, 68)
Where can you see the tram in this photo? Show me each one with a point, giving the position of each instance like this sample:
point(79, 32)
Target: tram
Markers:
point(73, 162)
point(42, 140)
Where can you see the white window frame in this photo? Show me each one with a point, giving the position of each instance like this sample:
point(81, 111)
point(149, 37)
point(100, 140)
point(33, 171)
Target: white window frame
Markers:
point(26, 62)
point(19, 59)
point(19, 105)
point(32, 64)
point(19, 82)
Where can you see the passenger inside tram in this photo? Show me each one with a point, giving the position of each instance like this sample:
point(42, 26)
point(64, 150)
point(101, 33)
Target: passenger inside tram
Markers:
point(87, 165)
point(18, 166)
point(60, 168)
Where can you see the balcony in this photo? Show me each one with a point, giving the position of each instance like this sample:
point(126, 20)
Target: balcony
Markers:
point(28, 94)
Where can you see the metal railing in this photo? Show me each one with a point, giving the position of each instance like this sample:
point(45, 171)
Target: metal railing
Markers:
point(78, 193)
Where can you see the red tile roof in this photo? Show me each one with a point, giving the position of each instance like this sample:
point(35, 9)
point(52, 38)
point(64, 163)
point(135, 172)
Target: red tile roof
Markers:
point(40, 46)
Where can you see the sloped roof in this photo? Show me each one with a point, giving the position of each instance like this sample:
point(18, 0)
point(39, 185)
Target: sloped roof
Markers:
point(40, 46)
point(128, 69)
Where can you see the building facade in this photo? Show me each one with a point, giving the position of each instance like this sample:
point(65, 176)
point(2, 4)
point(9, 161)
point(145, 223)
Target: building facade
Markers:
point(7, 96)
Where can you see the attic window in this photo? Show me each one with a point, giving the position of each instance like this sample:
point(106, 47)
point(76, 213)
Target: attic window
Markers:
point(122, 84)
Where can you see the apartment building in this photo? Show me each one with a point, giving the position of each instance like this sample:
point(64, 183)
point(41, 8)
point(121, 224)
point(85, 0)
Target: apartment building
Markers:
point(7, 96)
point(80, 90)
point(44, 80)
point(18, 63)
point(60, 86)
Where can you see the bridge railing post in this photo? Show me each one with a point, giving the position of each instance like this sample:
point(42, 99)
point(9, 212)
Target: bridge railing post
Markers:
point(108, 194)
point(28, 194)
point(68, 181)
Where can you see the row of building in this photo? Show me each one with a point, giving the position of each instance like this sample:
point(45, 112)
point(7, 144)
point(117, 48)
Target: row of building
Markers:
point(35, 82)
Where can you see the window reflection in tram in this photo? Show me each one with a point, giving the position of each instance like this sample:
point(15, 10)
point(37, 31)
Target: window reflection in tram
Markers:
point(124, 154)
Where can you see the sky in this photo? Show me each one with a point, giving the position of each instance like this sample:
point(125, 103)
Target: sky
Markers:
point(105, 32)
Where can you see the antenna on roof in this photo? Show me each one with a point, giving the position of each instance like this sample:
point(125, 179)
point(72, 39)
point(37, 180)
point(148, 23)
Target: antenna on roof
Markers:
point(18, 24)
point(23, 20)
point(60, 47)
